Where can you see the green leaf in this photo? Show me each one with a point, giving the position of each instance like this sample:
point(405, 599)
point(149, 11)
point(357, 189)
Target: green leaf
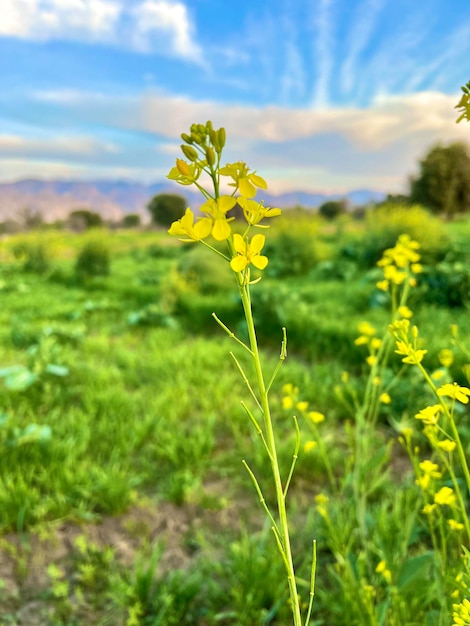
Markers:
point(20, 379)
point(415, 571)
point(57, 370)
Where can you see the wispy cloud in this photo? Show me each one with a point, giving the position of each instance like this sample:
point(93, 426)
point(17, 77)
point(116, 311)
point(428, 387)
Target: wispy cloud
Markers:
point(162, 26)
point(53, 147)
point(362, 27)
point(324, 53)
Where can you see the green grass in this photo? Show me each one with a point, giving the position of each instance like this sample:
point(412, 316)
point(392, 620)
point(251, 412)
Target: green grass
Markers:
point(149, 411)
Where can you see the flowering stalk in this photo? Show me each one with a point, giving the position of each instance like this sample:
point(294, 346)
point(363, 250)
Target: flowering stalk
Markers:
point(203, 147)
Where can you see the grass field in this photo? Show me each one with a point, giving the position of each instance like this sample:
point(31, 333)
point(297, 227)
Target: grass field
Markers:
point(123, 499)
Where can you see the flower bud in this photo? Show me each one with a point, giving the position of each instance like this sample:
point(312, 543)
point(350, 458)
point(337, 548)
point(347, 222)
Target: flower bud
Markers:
point(187, 138)
point(221, 138)
point(209, 126)
point(189, 152)
point(182, 167)
point(210, 155)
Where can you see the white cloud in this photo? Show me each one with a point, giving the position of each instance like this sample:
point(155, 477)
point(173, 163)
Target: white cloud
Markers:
point(54, 146)
point(161, 18)
point(66, 19)
point(162, 26)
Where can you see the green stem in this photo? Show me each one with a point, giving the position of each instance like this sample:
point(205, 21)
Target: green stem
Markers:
point(284, 540)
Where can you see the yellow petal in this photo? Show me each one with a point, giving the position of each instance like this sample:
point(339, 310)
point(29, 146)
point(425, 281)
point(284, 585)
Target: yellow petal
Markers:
point(258, 181)
point(203, 227)
point(259, 261)
point(238, 263)
point(257, 244)
point(226, 203)
point(239, 243)
point(221, 230)
point(246, 188)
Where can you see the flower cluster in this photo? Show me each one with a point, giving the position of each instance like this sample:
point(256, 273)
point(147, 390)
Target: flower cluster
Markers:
point(203, 148)
point(400, 264)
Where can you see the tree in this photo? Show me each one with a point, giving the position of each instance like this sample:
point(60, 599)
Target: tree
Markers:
point(82, 219)
point(331, 209)
point(166, 208)
point(443, 182)
point(131, 220)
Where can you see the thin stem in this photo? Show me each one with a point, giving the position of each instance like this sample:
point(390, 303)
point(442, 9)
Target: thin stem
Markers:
point(282, 537)
point(231, 334)
point(282, 358)
point(245, 380)
point(295, 456)
point(312, 581)
point(262, 499)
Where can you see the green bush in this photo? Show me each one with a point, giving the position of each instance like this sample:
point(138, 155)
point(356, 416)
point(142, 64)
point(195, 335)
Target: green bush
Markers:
point(386, 223)
point(205, 271)
point(293, 248)
point(34, 255)
point(93, 259)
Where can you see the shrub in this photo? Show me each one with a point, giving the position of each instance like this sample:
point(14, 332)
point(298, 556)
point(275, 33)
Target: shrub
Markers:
point(205, 272)
point(293, 248)
point(383, 227)
point(93, 259)
point(165, 208)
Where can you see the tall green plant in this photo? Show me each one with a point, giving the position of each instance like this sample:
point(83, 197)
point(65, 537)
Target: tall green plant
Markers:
point(203, 148)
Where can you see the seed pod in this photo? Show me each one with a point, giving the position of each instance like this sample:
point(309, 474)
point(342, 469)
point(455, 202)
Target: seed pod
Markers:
point(189, 152)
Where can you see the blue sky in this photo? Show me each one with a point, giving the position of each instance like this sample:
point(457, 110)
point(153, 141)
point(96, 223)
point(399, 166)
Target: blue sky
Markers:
point(319, 95)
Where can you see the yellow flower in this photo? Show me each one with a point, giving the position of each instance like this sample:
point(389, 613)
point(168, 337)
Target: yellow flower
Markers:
point(445, 495)
point(428, 509)
point(382, 569)
point(454, 391)
point(430, 469)
point(309, 446)
point(184, 173)
point(243, 180)
point(416, 268)
point(446, 357)
point(453, 525)
point(254, 211)
point(438, 374)
point(190, 230)
point(365, 328)
point(375, 343)
point(371, 360)
point(404, 311)
point(216, 210)
point(461, 613)
point(302, 406)
point(447, 445)
point(423, 481)
point(289, 389)
point(248, 253)
point(322, 502)
point(316, 417)
point(382, 285)
point(287, 402)
point(385, 398)
point(361, 340)
point(429, 415)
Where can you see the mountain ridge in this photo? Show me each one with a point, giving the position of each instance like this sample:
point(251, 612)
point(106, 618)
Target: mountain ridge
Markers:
point(113, 198)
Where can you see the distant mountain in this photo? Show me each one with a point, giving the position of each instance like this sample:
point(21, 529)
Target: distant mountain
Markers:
point(55, 199)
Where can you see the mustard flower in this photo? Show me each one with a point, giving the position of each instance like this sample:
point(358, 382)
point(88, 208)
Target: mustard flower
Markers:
point(430, 469)
point(430, 414)
point(289, 389)
point(375, 343)
point(287, 402)
point(216, 211)
point(309, 446)
point(446, 357)
point(371, 360)
point(322, 502)
point(190, 230)
point(316, 417)
point(385, 398)
point(248, 253)
point(445, 495)
point(383, 285)
point(184, 173)
point(461, 613)
point(454, 391)
point(404, 311)
point(245, 181)
point(302, 406)
point(447, 445)
point(361, 340)
point(428, 509)
point(254, 211)
point(365, 328)
point(383, 569)
point(454, 525)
